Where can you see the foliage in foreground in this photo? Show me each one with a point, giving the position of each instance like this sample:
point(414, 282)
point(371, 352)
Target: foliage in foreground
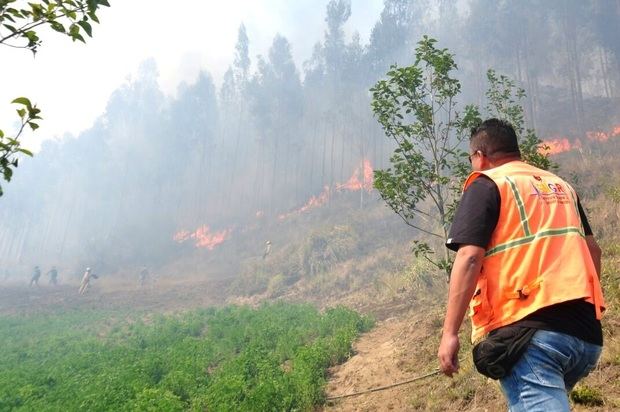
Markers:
point(19, 28)
point(234, 358)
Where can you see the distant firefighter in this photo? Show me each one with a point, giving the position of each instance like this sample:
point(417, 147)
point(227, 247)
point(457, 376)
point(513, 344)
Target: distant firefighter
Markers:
point(88, 275)
point(36, 274)
point(267, 249)
point(53, 274)
point(143, 276)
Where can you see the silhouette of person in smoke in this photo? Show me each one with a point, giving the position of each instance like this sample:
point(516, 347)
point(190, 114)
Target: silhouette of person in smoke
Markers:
point(36, 274)
point(143, 276)
point(88, 275)
point(53, 274)
point(267, 249)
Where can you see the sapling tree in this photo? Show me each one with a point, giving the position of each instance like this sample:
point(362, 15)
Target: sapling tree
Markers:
point(417, 108)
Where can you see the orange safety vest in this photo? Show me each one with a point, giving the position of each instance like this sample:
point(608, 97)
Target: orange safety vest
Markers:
point(537, 255)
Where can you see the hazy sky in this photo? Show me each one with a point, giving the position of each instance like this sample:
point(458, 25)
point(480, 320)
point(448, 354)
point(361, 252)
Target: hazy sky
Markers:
point(71, 83)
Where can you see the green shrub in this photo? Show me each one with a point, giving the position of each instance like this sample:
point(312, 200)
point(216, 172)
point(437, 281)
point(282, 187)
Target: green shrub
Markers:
point(156, 400)
point(585, 395)
point(219, 359)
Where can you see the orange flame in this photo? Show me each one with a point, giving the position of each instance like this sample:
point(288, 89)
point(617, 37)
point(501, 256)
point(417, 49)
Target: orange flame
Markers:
point(354, 181)
point(313, 202)
point(203, 237)
point(363, 172)
point(562, 144)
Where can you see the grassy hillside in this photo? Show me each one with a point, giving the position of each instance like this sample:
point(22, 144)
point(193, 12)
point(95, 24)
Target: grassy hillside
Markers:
point(234, 358)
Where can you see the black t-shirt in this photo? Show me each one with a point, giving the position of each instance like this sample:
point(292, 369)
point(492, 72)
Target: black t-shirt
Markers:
point(474, 223)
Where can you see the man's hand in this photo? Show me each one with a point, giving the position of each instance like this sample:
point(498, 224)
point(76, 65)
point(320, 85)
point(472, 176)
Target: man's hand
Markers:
point(449, 354)
point(465, 272)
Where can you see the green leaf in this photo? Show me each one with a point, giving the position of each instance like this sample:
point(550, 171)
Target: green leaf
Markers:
point(57, 27)
point(25, 151)
point(23, 100)
point(87, 27)
point(21, 112)
point(33, 126)
point(31, 36)
point(93, 17)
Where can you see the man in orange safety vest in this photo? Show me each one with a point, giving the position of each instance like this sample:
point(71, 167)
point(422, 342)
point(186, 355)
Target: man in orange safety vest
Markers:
point(528, 267)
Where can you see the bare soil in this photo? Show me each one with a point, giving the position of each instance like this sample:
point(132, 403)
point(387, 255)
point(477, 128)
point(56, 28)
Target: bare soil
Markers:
point(403, 348)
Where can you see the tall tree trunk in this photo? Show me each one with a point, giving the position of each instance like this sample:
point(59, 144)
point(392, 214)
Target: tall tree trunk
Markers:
point(342, 150)
point(312, 156)
point(332, 161)
point(63, 238)
point(571, 36)
point(604, 72)
point(324, 154)
point(233, 172)
point(24, 238)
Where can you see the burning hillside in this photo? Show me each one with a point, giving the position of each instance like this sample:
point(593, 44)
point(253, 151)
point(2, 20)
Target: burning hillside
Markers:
point(563, 144)
point(361, 179)
point(203, 237)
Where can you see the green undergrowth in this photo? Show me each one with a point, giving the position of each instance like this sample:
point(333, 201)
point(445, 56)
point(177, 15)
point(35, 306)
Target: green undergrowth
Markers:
point(585, 395)
point(228, 359)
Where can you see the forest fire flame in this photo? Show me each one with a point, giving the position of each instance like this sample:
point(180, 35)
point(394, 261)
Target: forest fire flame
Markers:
point(361, 179)
point(203, 237)
point(562, 144)
point(354, 182)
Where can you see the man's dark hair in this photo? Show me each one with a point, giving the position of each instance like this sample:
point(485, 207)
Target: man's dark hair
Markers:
point(495, 137)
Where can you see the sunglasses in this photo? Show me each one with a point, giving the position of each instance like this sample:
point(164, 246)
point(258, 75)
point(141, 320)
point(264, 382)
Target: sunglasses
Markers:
point(475, 153)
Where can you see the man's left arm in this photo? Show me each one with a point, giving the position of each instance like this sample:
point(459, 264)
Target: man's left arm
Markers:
point(463, 278)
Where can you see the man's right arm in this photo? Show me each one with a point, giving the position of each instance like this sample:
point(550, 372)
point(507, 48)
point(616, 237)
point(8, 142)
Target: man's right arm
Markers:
point(595, 252)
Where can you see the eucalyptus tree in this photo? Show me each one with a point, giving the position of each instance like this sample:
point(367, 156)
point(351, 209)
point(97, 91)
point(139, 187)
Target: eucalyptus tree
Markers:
point(606, 26)
point(277, 106)
point(392, 36)
point(235, 108)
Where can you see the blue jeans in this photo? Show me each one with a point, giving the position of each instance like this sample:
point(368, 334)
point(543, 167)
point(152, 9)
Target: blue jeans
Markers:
point(546, 373)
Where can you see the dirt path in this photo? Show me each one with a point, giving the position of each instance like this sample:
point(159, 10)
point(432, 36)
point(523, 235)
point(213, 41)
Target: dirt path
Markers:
point(390, 353)
point(401, 348)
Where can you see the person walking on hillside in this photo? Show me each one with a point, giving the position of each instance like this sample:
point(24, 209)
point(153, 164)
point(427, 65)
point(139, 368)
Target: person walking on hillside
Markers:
point(36, 274)
point(88, 275)
point(528, 267)
point(53, 274)
point(267, 249)
point(143, 276)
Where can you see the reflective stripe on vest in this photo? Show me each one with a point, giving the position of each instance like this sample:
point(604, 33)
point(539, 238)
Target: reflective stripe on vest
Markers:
point(537, 255)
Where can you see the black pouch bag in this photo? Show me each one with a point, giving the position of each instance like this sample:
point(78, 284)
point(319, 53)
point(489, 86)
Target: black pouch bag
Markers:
point(501, 350)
